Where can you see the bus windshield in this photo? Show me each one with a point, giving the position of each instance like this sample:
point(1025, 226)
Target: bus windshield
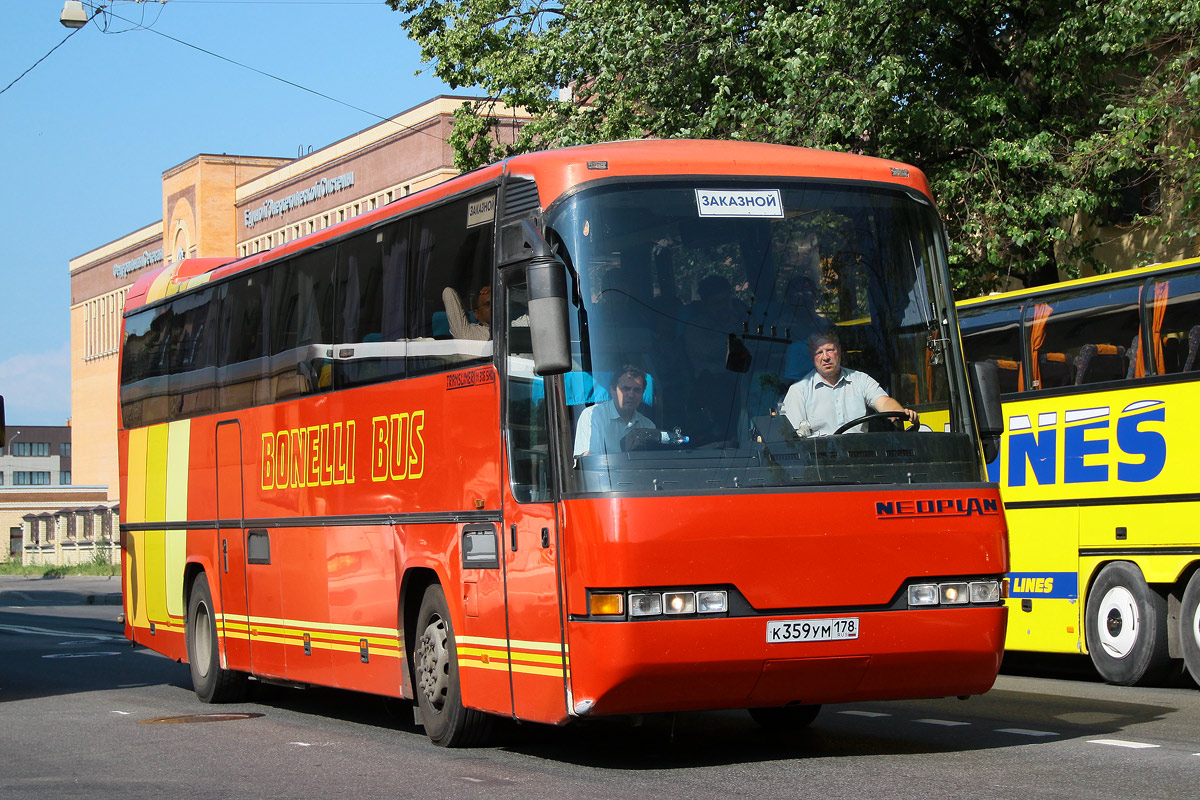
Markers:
point(697, 304)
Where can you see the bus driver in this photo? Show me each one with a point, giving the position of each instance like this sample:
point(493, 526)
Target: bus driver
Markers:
point(602, 426)
point(831, 395)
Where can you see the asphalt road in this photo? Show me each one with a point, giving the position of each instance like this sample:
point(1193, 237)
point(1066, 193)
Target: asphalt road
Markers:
point(84, 714)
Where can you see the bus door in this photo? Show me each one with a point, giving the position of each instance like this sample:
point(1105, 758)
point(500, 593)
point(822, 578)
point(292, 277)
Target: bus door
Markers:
point(529, 536)
point(231, 556)
point(250, 586)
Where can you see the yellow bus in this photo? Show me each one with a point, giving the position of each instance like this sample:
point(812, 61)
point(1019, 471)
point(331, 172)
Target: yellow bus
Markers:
point(1100, 381)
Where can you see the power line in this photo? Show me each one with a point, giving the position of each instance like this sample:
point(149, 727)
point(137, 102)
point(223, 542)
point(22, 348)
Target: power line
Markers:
point(301, 87)
point(40, 60)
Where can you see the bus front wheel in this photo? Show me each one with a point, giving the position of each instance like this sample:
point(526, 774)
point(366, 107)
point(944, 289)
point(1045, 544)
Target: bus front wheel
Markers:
point(1189, 626)
point(1126, 627)
point(438, 691)
point(211, 683)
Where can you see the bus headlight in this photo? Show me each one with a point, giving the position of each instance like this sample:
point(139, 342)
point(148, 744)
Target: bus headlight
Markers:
point(712, 602)
point(679, 603)
point(923, 594)
point(953, 594)
point(985, 591)
point(645, 605)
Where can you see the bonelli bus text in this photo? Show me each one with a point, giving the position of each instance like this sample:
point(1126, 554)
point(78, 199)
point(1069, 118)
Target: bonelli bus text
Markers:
point(512, 447)
point(1097, 466)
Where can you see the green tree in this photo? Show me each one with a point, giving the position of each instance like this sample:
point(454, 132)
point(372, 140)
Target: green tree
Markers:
point(1031, 119)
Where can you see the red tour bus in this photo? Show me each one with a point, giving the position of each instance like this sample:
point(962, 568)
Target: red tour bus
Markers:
point(365, 459)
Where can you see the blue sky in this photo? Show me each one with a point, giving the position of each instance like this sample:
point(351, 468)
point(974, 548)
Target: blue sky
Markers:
point(87, 134)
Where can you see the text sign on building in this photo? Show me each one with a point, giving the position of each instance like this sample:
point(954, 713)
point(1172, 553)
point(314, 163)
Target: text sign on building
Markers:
point(147, 258)
point(277, 208)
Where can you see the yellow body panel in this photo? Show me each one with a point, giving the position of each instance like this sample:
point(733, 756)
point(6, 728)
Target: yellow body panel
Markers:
point(1089, 478)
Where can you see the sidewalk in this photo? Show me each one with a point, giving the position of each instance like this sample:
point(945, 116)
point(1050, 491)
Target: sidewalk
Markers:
point(21, 590)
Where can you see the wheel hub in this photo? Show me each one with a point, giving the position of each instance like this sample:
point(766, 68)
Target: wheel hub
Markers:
point(433, 664)
point(1118, 622)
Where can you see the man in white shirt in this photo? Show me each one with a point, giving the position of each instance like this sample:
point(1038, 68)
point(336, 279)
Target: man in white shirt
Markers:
point(832, 395)
point(602, 426)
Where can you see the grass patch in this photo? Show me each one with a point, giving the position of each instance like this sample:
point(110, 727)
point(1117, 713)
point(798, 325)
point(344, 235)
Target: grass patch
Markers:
point(90, 568)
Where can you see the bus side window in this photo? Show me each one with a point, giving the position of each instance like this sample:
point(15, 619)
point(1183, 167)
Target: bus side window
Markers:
point(371, 345)
point(192, 381)
point(446, 253)
point(1173, 311)
point(1082, 337)
point(995, 336)
point(302, 326)
point(243, 367)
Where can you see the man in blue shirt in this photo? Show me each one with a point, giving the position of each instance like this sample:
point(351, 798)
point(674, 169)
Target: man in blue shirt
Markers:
point(602, 426)
point(832, 395)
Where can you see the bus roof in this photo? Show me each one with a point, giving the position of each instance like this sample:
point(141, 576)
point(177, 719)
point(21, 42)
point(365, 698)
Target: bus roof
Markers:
point(1133, 273)
point(558, 171)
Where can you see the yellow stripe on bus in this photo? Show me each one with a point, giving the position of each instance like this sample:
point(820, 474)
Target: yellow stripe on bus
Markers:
point(156, 474)
point(179, 440)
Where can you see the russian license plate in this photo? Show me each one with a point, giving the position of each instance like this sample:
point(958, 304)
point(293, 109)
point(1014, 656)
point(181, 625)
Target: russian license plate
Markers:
point(812, 630)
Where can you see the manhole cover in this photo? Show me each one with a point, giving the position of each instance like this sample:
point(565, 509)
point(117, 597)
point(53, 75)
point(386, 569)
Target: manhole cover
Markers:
point(197, 718)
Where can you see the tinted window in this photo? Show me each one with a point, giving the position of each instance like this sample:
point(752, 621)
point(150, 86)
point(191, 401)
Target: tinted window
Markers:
point(371, 334)
point(192, 354)
point(449, 311)
point(243, 372)
point(302, 326)
point(144, 367)
point(995, 335)
point(1174, 311)
point(1082, 338)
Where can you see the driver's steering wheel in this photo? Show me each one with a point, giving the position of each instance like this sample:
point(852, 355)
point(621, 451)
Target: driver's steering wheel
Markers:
point(879, 415)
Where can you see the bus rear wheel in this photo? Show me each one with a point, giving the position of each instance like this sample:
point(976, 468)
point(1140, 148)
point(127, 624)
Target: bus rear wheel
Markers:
point(435, 670)
point(1189, 626)
point(211, 682)
point(1127, 627)
point(785, 718)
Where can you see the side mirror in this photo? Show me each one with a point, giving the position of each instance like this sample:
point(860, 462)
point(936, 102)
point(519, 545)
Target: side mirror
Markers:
point(985, 396)
point(546, 276)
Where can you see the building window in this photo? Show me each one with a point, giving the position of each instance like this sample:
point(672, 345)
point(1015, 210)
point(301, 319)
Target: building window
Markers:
point(389, 196)
point(30, 449)
point(24, 478)
point(64, 478)
point(64, 449)
point(1, 478)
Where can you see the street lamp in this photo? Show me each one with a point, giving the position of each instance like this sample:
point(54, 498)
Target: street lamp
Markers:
point(73, 14)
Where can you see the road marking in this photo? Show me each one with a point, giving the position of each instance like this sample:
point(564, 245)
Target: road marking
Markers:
point(80, 655)
point(1025, 732)
point(948, 723)
point(103, 637)
point(1123, 743)
point(864, 714)
point(123, 713)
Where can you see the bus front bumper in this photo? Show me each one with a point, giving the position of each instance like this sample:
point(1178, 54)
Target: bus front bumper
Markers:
point(635, 667)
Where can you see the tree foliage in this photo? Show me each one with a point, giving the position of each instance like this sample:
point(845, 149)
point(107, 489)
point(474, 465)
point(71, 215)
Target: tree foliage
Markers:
point(1032, 120)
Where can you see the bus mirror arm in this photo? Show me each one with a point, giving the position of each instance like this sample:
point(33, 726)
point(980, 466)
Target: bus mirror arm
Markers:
point(985, 394)
point(546, 275)
point(2, 429)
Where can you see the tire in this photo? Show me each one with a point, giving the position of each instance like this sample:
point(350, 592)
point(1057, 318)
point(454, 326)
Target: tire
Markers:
point(1189, 626)
point(1126, 627)
point(785, 718)
point(211, 682)
point(435, 675)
